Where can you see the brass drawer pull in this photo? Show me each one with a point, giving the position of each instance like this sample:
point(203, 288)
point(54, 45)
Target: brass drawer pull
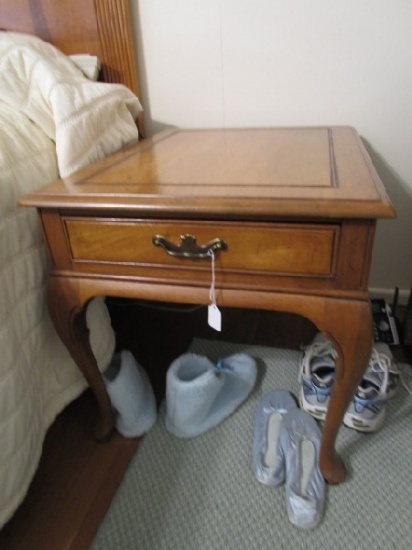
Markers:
point(189, 247)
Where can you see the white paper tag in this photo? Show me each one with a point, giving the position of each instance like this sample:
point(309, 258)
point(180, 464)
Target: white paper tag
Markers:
point(214, 317)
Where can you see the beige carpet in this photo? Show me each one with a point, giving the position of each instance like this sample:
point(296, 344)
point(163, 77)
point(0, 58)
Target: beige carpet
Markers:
point(201, 494)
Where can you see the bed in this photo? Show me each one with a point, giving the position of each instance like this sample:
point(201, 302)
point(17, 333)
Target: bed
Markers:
point(54, 119)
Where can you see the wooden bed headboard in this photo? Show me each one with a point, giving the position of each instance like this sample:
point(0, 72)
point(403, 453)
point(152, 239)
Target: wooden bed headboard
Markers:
point(97, 27)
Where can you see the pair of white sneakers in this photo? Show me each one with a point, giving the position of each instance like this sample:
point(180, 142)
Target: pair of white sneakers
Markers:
point(199, 393)
point(286, 451)
point(367, 410)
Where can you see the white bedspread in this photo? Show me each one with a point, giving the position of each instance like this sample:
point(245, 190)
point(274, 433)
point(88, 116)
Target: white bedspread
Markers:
point(45, 103)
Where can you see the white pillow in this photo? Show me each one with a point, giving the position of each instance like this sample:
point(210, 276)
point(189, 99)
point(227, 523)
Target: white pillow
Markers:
point(89, 65)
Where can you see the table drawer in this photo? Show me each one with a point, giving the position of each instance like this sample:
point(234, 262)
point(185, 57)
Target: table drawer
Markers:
point(267, 248)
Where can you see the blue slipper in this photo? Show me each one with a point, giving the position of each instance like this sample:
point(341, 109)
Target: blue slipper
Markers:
point(131, 395)
point(304, 486)
point(200, 395)
point(267, 455)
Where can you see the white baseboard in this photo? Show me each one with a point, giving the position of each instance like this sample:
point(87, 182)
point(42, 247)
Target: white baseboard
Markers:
point(389, 294)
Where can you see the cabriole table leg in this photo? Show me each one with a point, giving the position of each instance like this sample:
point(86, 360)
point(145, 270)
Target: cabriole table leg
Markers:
point(68, 313)
point(349, 326)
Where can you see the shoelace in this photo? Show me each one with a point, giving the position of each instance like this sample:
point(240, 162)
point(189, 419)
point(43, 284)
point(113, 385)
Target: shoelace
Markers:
point(380, 362)
point(383, 361)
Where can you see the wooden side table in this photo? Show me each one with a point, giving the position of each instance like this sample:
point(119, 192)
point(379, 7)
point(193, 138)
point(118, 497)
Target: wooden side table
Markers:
point(289, 214)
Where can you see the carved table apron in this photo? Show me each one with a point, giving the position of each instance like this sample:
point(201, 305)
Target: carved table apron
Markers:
point(289, 213)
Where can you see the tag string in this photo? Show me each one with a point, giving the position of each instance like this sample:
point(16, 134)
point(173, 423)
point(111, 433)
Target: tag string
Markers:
point(212, 295)
point(214, 316)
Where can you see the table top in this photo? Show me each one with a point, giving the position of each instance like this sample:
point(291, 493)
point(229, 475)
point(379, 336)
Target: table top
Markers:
point(310, 172)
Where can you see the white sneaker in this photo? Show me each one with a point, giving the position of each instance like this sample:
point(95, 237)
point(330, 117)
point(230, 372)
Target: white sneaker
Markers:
point(317, 376)
point(366, 412)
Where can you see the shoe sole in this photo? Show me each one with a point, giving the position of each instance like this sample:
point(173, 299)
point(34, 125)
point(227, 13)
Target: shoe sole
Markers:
point(359, 424)
point(349, 421)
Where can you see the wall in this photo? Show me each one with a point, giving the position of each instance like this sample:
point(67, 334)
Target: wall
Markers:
point(231, 63)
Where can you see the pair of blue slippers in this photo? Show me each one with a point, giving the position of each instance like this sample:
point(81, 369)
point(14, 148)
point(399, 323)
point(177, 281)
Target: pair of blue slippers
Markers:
point(200, 394)
point(286, 451)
